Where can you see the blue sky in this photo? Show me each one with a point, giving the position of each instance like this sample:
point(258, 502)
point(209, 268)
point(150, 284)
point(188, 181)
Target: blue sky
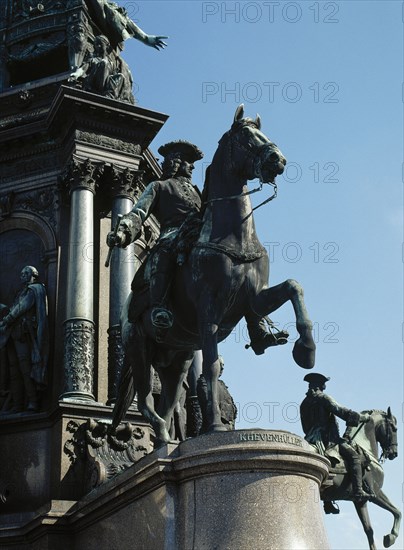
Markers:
point(326, 78)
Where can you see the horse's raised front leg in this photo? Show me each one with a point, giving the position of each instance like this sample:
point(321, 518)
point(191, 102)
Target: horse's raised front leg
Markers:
point(270, 299)
point(381, 500)
point(363, 513)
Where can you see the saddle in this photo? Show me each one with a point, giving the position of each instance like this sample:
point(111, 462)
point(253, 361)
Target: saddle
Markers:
point(338, 463)
point(180, 247)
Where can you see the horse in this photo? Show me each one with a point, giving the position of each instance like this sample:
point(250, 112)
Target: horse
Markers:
point(382, 429)
point(224, 279)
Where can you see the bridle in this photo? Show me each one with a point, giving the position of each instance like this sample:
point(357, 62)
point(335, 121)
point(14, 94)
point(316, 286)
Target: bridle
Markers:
point(255, 158)
point(389, 428)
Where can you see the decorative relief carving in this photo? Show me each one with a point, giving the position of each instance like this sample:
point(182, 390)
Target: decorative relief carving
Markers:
point(30, 52)
point(108, 142)
point(15, 120)
point(6, 204)
point(102, 456)
point(79, 356)
point(115, 361)
point(44, 202)
point(32, 8)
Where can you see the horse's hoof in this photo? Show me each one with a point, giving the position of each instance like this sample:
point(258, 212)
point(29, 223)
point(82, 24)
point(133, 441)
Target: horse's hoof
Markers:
point(389, 540)
point(304, 355)
point(217, 428)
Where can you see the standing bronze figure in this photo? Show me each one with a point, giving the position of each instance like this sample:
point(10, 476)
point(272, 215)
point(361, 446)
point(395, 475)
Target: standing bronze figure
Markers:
point(224, 279)
point(26, 325)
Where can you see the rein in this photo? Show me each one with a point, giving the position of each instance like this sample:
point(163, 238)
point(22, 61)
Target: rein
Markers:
point(255, 190)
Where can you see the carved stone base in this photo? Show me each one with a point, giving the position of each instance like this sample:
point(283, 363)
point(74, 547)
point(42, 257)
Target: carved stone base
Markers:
point(98, 456)
point(78, 360)
point(243, 489)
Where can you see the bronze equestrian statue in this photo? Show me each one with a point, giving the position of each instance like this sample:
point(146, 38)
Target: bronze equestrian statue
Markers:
point(224, 279)
point(354, 457)
point(317, 414)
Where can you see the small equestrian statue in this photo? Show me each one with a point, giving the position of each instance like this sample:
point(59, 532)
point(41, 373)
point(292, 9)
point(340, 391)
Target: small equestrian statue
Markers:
point(357, 474)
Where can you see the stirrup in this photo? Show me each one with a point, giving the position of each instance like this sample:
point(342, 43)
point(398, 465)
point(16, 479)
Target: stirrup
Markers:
point(362, 495)
point(274, 337)
point(162, 318)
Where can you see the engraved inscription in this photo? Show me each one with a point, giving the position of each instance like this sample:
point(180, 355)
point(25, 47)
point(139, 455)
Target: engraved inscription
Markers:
point(272, 437)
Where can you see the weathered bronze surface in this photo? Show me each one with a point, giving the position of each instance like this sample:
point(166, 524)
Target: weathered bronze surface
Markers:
point(356, 471)
point(25, 337)
point(224, 279)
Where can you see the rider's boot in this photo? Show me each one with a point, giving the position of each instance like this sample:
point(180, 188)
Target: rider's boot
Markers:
point(261, 338)
point(330, 507)
point(161, 317)
point(357, 482)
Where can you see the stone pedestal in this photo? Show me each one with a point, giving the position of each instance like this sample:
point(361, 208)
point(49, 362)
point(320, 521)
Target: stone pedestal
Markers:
point(250, 489)
point(243, 489)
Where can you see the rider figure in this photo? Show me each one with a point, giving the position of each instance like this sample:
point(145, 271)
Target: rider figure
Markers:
point(317, 413)
point(170, 200)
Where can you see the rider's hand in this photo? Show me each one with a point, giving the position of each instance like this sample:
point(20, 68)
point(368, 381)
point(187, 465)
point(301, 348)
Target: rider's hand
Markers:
point(364, 417)
point(118, 239)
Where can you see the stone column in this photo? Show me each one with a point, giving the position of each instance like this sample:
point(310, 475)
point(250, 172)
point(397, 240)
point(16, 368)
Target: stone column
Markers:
point(79, 329)
point(122, 270)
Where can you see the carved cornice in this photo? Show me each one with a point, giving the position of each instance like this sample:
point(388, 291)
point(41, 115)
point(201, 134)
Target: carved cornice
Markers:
point(108, 142)
point(17, 119)
point(79, 337)
point(83, 174)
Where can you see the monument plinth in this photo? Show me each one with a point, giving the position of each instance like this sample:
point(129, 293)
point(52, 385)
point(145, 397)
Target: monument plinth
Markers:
point(242, 489)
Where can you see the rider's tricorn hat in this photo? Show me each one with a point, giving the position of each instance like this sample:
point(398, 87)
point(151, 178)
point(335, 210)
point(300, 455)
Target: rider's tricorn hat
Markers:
point(316, 378)
point(184, 149)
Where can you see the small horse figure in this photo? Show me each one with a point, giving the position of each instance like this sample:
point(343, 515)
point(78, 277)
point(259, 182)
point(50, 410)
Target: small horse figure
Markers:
point(382, 429)
point(224, 279)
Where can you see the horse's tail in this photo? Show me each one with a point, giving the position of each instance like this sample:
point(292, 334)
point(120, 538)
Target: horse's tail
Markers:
point(125, 394)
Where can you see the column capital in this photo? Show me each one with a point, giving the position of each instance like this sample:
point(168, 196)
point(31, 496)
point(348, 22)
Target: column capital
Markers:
point(83, 174)
point(125, 182)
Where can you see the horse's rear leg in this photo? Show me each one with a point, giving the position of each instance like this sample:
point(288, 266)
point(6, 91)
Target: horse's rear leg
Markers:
point(381, 500)
point(172, 380)
point(363, 513)
point(211, 372)
point(270, 299)
point(139, 352)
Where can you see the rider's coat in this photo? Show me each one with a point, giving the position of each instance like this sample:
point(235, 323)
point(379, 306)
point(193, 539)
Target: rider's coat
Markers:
point(317, 412)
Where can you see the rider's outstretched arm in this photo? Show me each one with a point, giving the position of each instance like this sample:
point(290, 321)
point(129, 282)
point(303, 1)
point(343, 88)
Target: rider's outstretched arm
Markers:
point(131, 223)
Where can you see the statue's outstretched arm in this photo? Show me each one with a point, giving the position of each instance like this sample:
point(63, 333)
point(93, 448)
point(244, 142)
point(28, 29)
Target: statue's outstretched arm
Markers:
point(148, 39)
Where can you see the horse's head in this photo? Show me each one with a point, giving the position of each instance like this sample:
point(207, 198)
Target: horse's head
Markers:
point(386, 434)
point(252, 154)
